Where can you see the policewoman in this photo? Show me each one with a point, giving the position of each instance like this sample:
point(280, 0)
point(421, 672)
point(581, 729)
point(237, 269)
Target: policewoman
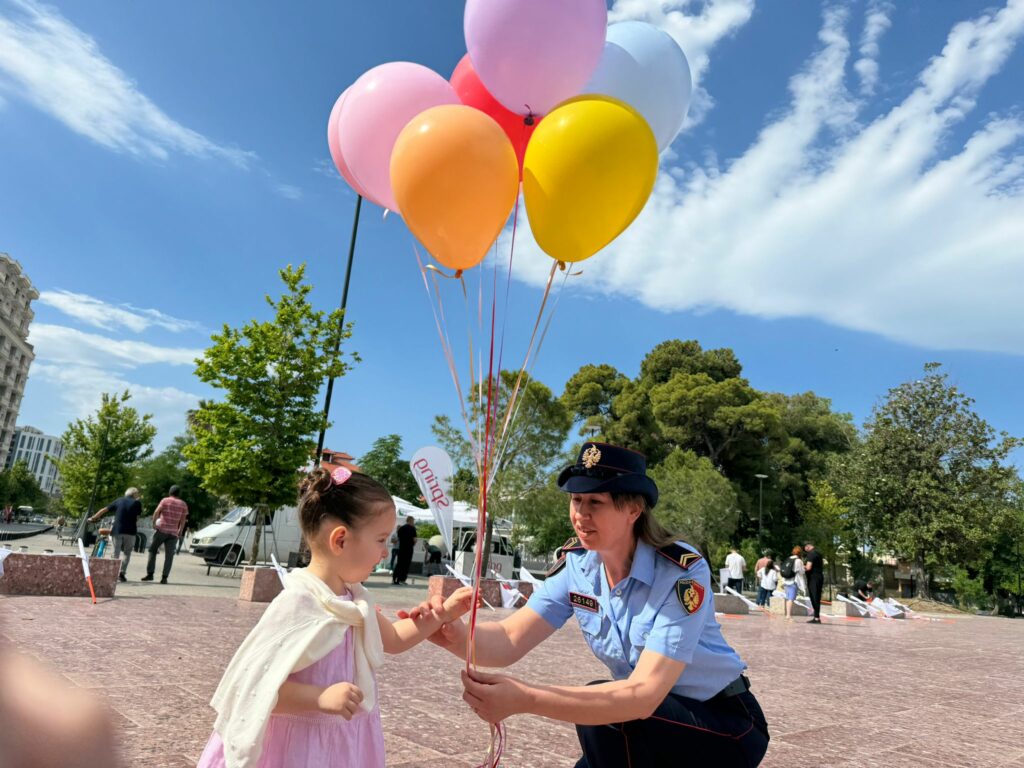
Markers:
point(644, 603)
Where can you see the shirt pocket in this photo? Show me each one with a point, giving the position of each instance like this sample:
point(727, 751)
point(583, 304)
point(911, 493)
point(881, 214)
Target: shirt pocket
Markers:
point(639, 632)
point(589, 622)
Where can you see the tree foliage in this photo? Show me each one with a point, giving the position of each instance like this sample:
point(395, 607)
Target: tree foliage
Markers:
point(19, 488)
point(695, 501)
point(154, 477)
point(691, 399)
point(524, 461)
point(931, 483)
point(384, 463)
point(250, 446)
point(100, 451)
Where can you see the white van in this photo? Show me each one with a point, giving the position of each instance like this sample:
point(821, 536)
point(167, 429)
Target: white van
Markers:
point(229, 540)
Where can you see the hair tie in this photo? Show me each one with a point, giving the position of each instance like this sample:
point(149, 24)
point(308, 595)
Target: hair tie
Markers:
point(340, 475)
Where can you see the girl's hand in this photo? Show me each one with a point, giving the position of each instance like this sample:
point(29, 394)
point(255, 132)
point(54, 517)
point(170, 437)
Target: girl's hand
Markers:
point(458, 604)
point(340, 699)
point(428, 609)
point(494, 697)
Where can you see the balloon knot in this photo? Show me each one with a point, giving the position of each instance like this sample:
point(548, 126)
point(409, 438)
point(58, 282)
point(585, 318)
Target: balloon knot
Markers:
point(529, 120)
point(561, 266)
point(458, 274)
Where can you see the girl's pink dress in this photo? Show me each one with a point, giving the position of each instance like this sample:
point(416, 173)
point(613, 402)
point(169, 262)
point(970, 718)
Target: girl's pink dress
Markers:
point(315, 740)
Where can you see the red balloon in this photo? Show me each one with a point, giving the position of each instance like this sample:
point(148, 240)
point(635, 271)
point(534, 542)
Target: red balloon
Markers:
point(472, 93)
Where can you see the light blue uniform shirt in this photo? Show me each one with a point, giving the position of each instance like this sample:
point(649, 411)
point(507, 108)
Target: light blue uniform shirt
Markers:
point(645, 610)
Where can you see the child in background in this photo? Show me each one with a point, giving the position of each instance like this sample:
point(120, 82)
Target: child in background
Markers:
point(300, 691)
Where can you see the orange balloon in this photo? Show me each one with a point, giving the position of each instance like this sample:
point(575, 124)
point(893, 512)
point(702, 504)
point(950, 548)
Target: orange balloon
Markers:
point(455, 177)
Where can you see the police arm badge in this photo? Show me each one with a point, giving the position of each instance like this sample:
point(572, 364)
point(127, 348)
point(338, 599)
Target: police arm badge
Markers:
point(690, 594)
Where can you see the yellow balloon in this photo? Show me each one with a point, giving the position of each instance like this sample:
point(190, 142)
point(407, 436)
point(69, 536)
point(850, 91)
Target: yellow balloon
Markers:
point(589, 170)
point(455, 177)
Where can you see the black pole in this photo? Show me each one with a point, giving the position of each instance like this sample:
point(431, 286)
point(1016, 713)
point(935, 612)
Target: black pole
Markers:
point(344, 302)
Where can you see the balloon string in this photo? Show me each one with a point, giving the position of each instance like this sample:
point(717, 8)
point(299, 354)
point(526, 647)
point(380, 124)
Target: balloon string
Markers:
point(529, 350)
point(508, 287)
point(494, 750)
point(506, 440)
point(442, 332)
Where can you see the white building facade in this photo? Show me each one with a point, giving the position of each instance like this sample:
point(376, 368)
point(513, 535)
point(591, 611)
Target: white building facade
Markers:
point(37, 450)
point(16, 354)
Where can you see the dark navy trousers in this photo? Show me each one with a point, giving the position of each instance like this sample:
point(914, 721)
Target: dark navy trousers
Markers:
point(728, 732)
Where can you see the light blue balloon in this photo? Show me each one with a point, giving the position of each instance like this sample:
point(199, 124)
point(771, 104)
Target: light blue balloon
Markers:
point(644, 67)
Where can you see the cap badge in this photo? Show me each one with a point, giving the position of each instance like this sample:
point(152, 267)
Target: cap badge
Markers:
point(591, 457)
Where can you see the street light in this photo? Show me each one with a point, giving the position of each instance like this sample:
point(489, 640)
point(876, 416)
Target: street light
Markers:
point(344, 304)
point(760, 508)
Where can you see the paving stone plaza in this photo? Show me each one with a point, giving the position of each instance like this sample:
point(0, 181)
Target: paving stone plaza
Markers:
point(858, 693)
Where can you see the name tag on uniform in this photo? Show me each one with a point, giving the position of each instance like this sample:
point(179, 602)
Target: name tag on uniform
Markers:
point(584, 601)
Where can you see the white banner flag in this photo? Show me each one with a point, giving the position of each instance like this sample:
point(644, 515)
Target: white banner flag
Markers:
point(433, 470)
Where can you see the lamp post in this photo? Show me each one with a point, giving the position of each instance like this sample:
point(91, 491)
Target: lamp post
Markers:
point(760, 508)
point(344, 302)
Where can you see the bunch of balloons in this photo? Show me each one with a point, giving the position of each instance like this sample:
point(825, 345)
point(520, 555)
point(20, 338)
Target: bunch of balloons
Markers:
point(548, 96)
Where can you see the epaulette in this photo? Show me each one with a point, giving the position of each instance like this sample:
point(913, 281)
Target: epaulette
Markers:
point(572, 545)
point(681, 556)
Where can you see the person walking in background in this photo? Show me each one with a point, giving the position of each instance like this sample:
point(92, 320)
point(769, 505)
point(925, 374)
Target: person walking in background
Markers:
point(169, 521)
point(394, 551)
point(406, 542)
point(126, 511)
point(793, 579)
point(737, 566)
point(814, 565)
point(767, 578)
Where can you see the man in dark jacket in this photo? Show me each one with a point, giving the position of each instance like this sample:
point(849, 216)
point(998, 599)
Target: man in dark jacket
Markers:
point(406, 541)
point(126, 511)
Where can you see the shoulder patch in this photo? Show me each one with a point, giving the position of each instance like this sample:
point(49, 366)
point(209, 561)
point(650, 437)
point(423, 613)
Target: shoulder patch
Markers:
point(681, 556)
point(572, 545)
point(690, 594)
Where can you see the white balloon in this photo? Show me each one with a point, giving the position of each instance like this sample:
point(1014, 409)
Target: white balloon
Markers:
point(644, 67)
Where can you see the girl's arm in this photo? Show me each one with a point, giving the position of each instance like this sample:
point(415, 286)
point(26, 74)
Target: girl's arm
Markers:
point(339, 699)
point(495, 697)
point(497, 643)
point(406, 632)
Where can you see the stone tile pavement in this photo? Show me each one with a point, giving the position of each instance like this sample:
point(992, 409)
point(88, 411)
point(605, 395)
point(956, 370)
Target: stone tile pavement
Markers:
point(850, 692)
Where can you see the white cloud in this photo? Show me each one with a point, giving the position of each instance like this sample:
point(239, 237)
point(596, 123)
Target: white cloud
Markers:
point(289, 192)
point(59, 344)
point(51, 63)
point(100, 314)
point(879, 227)
point(696, 34)
point(875, 25)
point(75, 392)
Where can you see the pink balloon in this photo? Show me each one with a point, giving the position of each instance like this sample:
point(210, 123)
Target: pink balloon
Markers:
point(334, 146)
point(376, 108)
point(534, 54)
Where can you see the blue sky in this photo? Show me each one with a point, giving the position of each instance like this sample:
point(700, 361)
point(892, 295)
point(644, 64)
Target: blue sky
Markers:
point(845, 203)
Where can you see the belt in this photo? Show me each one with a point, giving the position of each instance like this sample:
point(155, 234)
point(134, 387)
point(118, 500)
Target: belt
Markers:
point(735, 688)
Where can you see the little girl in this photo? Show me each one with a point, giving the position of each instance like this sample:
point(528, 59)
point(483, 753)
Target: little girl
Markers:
point(300, 691)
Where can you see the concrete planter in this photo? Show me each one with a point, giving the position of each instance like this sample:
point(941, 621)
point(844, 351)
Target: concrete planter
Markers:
point(490, 589)
point(731, 604)
point(57, 575)
point(259, 584)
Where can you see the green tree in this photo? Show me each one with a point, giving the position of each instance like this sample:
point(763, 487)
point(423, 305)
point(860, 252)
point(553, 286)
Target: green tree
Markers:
point(19, 488)
point(525, 458)
point(589, 395)
point(384, 463)
point(251, 446)
point(542, 519)
point(695, 501)
point(99, 452)
point(154, 477)
point(696, 400)
point(931, 483)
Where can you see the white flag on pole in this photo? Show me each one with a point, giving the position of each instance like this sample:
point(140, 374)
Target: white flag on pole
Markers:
point(433, 470)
